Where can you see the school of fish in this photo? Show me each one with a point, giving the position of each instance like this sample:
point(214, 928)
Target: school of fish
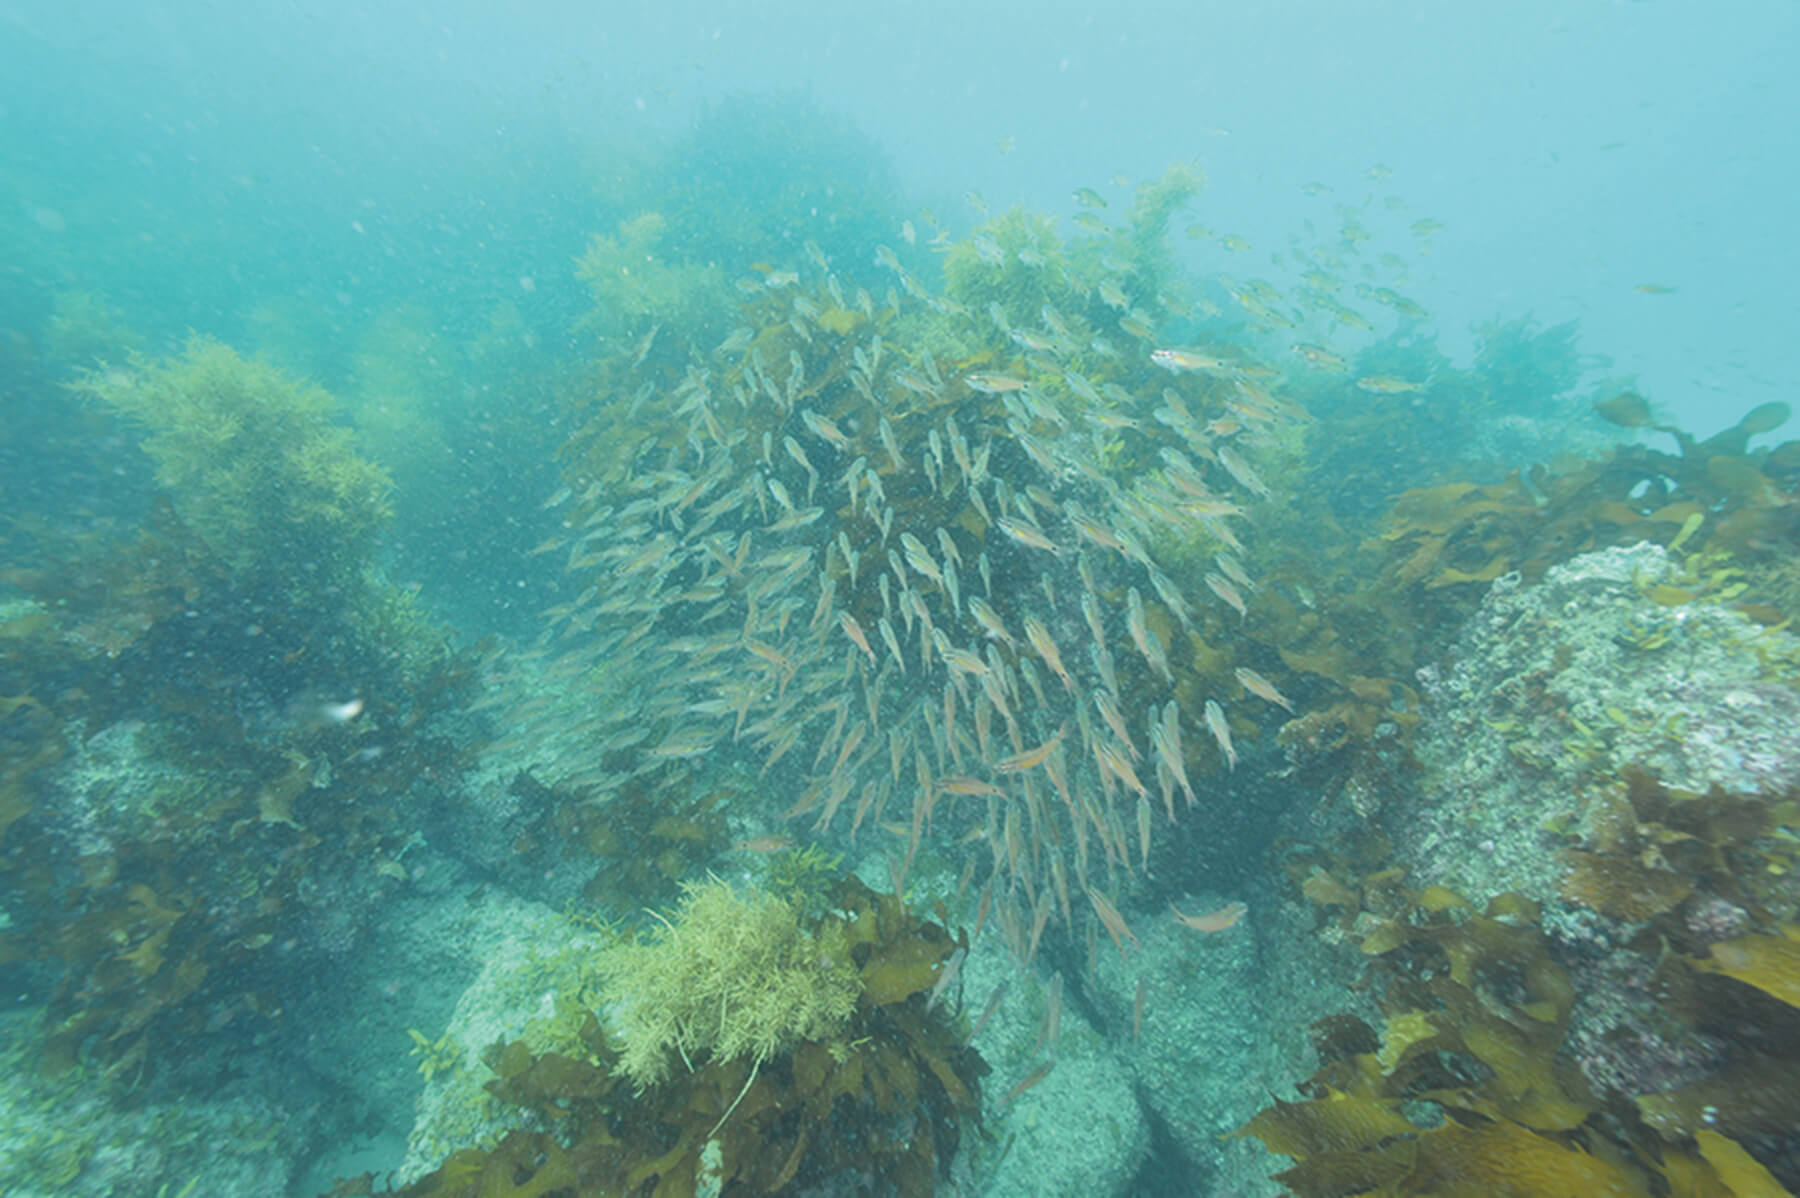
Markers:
point(914, 595)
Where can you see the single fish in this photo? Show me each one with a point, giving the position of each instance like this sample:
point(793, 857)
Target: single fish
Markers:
point(825, 430)
point(951, 968)
point(1213, 921)
point(1039, 638)
point(1026, 534)
point(770, 653)
point(1224, 590)
point(947, 543)
point(1233, 569)
point(796, 518)
point(1172, 598)
point(1114, 762)
point(1110, 420)
point(1093, 530)
point(1111, 920)
point(737, 339)
point(1138, 327)
point(987, 1012)
point(1030, 758)
point(1321, 357)
point(958, 784)
point(1165, 736)
point(799, 455)
point(928, 634)
point(1090, 611)
point(1387, 384)
point(1345, 315)
point(959, 451)
point(963, 661)
point(1104, 665)
point(990, 621)
point(855, 632)
point(1143, 829)
point(892, 641)
point(1211, 509)
point(684, 744)
point(772, 843)
point(643, 346)
point(1108, 707)
point(1031, 1079)
point(919, 558)
point(1147, 642)
point(891, 443)
point(1221, 731)
point(1262, 688)
point(1399, 303)
point(1080, 386)
point(1182, 359)
point(1240, 470)
point(993, 384)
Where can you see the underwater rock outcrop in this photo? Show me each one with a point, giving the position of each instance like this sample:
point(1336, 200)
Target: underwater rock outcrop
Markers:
point(1605, 997)
point(1555, 688)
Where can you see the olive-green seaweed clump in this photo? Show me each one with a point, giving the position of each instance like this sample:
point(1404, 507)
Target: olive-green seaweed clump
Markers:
point(819, 1057)
point(253, 464)
point(734, 976)
point(639, 286)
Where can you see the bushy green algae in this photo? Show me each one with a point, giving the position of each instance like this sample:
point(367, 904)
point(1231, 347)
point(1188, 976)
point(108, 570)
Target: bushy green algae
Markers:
point(1153, 207)
point(252, 462)
point(1019, 285)
point(733, 976)
point(639, 286)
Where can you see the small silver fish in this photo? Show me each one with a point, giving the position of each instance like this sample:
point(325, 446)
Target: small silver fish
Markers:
point(1221, 731)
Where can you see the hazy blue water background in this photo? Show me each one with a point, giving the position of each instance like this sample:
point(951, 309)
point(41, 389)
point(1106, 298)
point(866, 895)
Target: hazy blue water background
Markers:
point(189, 160)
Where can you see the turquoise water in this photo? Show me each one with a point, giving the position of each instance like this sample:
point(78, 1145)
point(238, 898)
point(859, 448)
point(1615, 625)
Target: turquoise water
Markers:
point(465, 477)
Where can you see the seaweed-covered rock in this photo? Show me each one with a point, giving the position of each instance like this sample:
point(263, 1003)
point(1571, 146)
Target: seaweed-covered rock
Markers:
point(1609, 770)
point(525, 956)
point(875, 1098)
point(1556, 688)
point(65, 1136)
